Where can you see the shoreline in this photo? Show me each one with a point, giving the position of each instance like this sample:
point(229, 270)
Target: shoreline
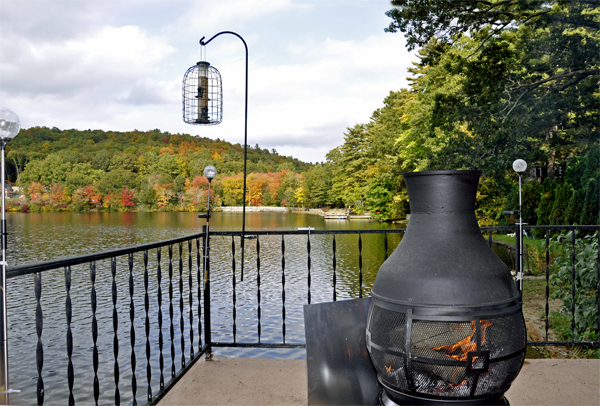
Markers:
point(225, 209)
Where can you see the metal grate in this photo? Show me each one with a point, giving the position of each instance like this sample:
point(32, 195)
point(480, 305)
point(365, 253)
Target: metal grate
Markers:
point(454, 359)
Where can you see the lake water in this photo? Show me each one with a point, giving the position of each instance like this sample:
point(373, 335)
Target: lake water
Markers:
point(37, 237)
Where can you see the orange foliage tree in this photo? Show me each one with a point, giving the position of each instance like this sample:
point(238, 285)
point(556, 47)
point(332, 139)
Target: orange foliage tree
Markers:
point(127, 198)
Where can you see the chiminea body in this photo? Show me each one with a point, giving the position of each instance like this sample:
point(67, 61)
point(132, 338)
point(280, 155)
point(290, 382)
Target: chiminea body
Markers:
point(445, 324)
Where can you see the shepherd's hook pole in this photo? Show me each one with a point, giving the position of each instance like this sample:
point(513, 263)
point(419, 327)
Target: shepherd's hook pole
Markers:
point(202, 42)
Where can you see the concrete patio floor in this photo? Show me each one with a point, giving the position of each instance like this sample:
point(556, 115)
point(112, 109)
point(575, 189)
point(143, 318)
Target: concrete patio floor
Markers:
point(257, 381)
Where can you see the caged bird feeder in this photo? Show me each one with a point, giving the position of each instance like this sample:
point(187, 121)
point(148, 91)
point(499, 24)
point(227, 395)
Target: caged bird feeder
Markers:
point(202, 95)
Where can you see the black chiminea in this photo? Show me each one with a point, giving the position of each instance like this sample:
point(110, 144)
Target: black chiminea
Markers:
point(445, 324)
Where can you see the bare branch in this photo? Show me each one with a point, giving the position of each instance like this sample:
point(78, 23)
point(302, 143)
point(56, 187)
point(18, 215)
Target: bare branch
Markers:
point(584, 72)
point(496, 31)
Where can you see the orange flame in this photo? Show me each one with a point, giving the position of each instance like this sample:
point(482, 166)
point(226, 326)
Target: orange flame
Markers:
point(388, 368)
point(460, 350)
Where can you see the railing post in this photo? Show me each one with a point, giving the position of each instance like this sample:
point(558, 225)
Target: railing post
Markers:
point(206, 264)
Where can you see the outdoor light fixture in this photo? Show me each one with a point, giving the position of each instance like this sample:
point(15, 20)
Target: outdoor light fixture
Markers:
point(9, 128)
point(202, 95)
point(203, 105)
point(210, 172)
point(519, 166)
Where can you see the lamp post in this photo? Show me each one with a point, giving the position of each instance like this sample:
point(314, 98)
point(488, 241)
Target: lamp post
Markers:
point(520, 166)
point(210, 172)
point(9, 127)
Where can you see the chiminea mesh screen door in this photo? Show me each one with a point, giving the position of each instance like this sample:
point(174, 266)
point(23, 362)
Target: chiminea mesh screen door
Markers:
point(202, 95)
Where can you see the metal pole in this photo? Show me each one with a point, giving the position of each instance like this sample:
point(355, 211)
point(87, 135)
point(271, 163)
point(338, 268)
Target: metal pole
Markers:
point(245, 141)
point(520, 242)
point(3, 319)
point(207, 338)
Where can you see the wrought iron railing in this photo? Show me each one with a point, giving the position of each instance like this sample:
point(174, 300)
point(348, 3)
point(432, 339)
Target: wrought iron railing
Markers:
point(180, 331)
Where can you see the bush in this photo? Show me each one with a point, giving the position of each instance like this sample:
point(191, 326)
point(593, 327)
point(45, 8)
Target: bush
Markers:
point(585, 265)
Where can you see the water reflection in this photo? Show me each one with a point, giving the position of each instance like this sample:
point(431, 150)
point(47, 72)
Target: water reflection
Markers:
point(44, 236)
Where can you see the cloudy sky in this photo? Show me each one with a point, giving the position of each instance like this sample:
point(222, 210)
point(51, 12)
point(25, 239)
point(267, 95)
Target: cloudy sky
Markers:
point(316, 67)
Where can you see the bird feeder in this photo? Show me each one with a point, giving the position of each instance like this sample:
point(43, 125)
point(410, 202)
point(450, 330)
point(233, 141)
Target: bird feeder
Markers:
point(202, 95)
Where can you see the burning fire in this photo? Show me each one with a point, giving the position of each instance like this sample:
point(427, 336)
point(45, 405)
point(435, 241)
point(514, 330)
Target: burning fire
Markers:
point(460, 350)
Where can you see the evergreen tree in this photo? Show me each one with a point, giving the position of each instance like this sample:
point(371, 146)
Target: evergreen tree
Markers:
point(591, 204)
point(573, 213)
point(546, 202)
point(559, 207)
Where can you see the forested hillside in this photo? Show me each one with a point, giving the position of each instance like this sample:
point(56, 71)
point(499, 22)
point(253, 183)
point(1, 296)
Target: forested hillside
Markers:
point(94, 169)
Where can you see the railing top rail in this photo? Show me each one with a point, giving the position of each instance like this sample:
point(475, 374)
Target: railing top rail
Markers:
point(584, 227)
point(526, 227)
point(306, 231)
point(27, 269)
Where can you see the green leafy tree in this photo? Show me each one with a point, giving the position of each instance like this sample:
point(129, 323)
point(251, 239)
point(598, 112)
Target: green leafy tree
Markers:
point(317, 181)
point(148, 196)
point(53, 169)
point(83, 174)
point(117, 180)
point(17, 160)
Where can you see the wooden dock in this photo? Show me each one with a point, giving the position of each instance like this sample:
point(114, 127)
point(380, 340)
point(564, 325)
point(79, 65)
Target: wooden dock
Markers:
point(335, 216)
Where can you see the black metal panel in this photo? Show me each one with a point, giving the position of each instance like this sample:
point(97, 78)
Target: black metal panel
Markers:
point(339, 369)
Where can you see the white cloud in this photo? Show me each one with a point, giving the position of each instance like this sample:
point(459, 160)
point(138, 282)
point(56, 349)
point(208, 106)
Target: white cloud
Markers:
point(110, 58)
